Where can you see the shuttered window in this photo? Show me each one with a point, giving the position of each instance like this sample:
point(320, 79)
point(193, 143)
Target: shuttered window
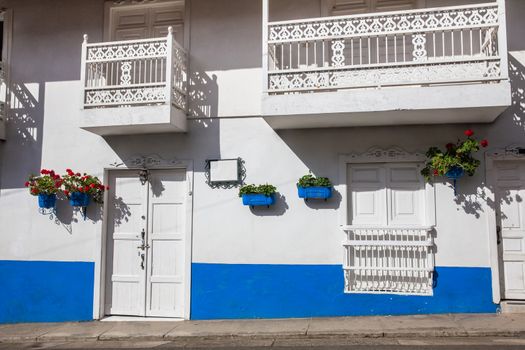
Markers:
point(388, 248)
point(352, 7)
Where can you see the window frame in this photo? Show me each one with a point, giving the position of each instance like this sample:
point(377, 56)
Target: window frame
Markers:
point(390, 156)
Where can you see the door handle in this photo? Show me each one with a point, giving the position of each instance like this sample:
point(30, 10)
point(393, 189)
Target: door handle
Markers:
point(142, 261)
point(143, 246)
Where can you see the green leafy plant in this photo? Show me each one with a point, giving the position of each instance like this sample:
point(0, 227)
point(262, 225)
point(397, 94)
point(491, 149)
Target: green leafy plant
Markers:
point(46, 183)
point(459, 154)
point(84, 183)
point(312, 181)
point(266, 190)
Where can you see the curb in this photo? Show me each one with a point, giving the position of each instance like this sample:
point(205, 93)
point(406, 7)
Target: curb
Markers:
point(441, 333)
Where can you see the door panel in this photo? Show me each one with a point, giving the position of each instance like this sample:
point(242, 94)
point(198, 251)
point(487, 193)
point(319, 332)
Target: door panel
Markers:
point(405, 195)
point(368, 194)
point(510, 196)
point(127, 211)
point(166, 238)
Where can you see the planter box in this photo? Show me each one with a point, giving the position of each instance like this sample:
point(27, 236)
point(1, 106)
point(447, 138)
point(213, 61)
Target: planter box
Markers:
point(314, 192)
point(47, 201)
point(455, 173)
point(255, 200)
point(79, 199)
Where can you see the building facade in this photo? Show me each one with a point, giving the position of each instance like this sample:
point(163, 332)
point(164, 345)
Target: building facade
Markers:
point(160, 99)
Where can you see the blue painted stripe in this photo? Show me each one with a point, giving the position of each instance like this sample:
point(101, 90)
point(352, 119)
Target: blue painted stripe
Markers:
point(226, 291)
point(46, 291)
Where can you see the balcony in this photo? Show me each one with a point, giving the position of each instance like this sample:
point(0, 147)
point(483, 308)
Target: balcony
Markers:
point(3, 100)
point(425, 66)
point(131, 87)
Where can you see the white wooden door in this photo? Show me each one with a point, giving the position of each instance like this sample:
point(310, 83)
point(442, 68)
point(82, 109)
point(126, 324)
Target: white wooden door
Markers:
point(147, 21)
point(146, 244)
point(166, 255)
point(386, 195)
point(510, 196)
point(127, 213)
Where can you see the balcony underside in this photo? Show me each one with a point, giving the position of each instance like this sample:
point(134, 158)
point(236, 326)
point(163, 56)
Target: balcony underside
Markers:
point(133, 120)
point(474, 103)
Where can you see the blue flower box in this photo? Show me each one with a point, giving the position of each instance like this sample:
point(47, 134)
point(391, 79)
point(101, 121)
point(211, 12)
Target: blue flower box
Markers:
point(455, 173)
point(314, 192)
point(256, 200)
point(79, 199)
point(47, 201)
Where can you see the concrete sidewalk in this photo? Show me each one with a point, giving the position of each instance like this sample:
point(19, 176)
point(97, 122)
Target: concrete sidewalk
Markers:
point(460, 325)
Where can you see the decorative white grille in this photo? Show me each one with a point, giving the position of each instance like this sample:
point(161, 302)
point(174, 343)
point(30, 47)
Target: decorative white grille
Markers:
point(137, 72)
point(417, 47)
point(389, 260)
point(3, 93)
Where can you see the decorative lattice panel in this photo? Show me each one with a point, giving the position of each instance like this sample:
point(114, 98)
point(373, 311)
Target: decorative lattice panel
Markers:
point(389, 260)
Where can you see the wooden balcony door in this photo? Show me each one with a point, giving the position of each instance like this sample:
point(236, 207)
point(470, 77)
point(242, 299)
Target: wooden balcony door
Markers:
point(144, 21)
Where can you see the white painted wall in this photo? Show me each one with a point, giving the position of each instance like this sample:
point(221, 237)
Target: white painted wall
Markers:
point(225, 43)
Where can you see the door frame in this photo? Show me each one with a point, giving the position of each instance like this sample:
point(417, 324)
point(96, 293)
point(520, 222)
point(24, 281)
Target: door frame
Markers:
point(510, 153)
point(152, 162)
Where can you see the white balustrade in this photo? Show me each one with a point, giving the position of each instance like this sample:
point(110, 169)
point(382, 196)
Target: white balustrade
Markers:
point(134, 73)
point(397, 260)
point(3, 92)
point(417, 47)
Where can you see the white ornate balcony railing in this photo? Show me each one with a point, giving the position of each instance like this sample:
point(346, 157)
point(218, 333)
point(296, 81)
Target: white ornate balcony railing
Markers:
point(418, 47)
point(397, 260)
point(3, 92)
point(134, 73)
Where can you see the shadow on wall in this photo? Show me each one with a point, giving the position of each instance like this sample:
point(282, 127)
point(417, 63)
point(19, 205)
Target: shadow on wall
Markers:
point(517, 79)
point(201, 142)
point(203, 94)
point(24, 126)
point(65, 215)
point(510, 125)
point(39, 26)
point(278, 209)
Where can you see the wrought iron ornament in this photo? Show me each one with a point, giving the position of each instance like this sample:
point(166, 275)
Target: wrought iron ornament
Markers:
point(241, 175)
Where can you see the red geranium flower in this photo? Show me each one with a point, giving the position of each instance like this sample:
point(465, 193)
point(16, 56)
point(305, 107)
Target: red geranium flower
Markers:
point(26, 184)
point(469, 133)
point(70, 172)
point(66, 192)
point(436, 173)
point(77, 174)
point(43, 172)
point(484, 143)
point(86, 188)
point(107, 188)
point(92, 185)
